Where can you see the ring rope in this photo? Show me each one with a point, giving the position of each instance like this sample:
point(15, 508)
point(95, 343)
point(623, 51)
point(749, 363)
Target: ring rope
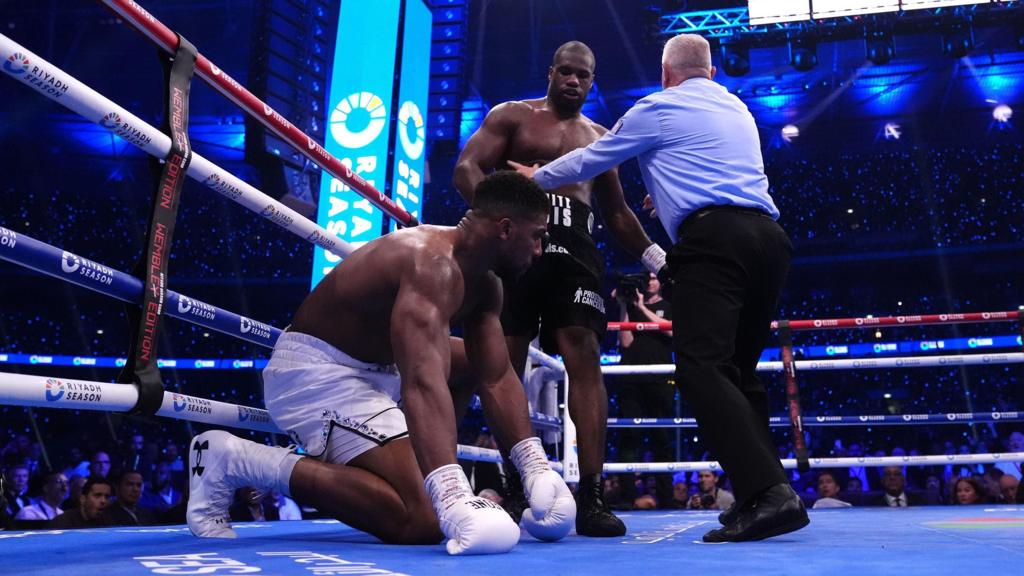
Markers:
point(791, 463)
point(144, 22)
point(844, 323)
point(858, 420)
point(91, 105)
point(844, 363)
point(52, 261)
point(63, 265)
point(71, 394)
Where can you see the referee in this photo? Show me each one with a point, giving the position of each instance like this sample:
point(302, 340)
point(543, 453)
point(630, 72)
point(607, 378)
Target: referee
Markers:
point(700, 156)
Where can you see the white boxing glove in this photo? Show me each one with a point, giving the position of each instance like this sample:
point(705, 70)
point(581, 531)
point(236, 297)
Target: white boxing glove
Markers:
point(478, 526)
point(552, 510)
point(473, 525)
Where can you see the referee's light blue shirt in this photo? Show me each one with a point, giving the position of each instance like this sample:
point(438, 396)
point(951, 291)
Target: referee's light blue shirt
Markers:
point(697, 145)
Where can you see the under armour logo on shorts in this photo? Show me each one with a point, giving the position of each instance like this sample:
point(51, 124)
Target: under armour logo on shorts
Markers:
point(197, 470)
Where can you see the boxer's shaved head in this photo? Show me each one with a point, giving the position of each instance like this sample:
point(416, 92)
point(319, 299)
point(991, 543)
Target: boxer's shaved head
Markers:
point(574, 46)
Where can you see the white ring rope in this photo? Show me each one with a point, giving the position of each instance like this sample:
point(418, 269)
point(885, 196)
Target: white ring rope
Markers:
point(845, 363)
point(66, 90)
point(791, 464)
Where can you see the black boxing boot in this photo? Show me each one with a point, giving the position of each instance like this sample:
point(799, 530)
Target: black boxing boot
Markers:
point(514, 501)
point(593, 518)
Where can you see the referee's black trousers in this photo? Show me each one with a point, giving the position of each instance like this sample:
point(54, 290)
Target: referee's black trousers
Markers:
point(729, 266)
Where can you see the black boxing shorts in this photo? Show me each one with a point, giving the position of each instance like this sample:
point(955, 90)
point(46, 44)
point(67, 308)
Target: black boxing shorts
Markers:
point(563, 287)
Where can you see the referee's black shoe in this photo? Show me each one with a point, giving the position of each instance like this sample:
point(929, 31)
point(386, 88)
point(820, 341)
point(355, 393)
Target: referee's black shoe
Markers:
point(593, 518)
point(776, 511)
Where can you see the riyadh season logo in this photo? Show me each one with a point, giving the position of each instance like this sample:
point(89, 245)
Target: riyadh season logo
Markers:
point(57, 390)
point(254, 415)
point(196, 308)
point(411, 130)
point(54, 390)
point(358, 120)
point(69, 263)
point(258, 329)
point(111, 121)
point(16, 63)
point(72, 264)
point(179, 402)
point(222, 186)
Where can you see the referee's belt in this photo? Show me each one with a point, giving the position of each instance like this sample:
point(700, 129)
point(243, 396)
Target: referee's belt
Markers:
point(702, 212)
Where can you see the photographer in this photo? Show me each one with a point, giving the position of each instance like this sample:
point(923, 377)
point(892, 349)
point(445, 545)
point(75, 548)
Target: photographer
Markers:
point(709, 496)
point(646, 396)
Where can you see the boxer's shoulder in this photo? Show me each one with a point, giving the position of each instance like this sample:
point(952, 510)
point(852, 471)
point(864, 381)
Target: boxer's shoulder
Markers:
point(513, 110)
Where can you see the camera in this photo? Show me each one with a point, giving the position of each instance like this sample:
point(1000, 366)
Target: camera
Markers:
point(629, 285)
point(707, 501)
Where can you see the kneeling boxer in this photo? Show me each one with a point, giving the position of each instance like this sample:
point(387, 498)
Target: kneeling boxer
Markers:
point(375, 334)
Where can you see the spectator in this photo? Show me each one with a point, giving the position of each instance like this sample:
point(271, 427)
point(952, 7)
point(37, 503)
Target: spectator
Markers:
point(934, 494)
point(645, 502)
point(967, 490)
point(125, 510)
point(1008, 488)
point(287, 509)
point(680, 495)
point(16, 494)
point(1014, 443)
point(248, 507)
point(893, 484)
point(33, 459)
point(161, 494)
point(990, 484)
point(854, 485)
point(133, 458)
point(79, 464)
point(6, 520)
point(645, 395)
point(55, 490)
point(74, 491)
point(612, 492)
point(709, 496)
point(91, 506)
point(828, 492)
point(99, 465)
point(858, 472)
point(173, 457)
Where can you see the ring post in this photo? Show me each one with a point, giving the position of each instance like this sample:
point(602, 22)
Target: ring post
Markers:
point(793, 397)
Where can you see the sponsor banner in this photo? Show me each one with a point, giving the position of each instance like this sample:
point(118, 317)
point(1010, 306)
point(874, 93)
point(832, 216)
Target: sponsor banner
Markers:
point(358, 121)
point(823, 420)
point(186, 407)
point(113, 362)
point(48, 392)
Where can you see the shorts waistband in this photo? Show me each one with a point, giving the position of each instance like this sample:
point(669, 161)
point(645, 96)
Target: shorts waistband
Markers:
point(290, 337)
point(568, 213)
point(702, 212)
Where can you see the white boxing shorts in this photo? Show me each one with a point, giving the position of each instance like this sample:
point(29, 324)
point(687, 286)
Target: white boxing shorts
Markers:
point(330, 404)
